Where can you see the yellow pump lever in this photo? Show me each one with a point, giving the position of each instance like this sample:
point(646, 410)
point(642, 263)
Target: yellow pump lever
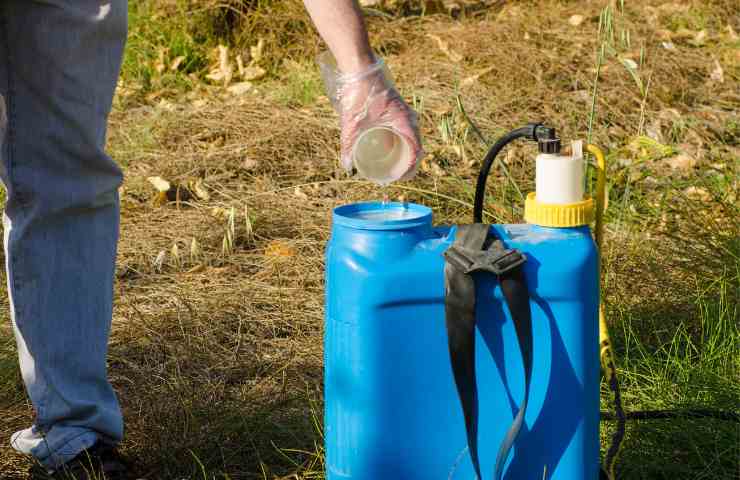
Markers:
point(606, 355)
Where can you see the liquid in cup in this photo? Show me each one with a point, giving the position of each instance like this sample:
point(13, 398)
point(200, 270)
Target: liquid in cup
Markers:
point(381, 155)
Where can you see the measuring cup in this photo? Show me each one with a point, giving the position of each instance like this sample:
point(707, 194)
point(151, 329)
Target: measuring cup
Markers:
point(381, 155)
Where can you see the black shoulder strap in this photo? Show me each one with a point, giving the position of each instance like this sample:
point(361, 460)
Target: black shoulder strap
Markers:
point(460, 319)
point(469, 254)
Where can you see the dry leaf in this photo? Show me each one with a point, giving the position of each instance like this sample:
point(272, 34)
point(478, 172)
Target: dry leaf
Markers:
point(222, 71)
point(654, 130)
point(224, 64)
point(175, 253)
point(240, 65)
point(299, 193)
point(694, 150)
point(164, 104)
point(159, 261)
point(198, 189)
point(279, 249)
point(253, 72)
point(256, 50)
point(681, 161)
point(196, 269)
point(474, 78)
point(160, 183)
point(240, 88)
point(629, 63)
point(220, 213)
point(718, 74)
point(697, 193)
point(174, 192)
point(425, 162)
point(682, 34)
point(249, 164)
point(195, 249)
point(159, 65)
point(576, 20)
point(248, 228)
point(731, 33)
point(177, 62)
point(664, 34)
point(154, 95)
point(700, 38)
point(445, 47)
point(436, 169)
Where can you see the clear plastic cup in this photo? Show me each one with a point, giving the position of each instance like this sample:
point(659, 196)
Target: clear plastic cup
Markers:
point(381, 155)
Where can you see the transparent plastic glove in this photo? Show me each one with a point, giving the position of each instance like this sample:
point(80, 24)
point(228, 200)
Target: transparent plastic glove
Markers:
point(366, 100)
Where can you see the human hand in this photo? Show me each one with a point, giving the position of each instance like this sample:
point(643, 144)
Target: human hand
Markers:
point(368, 99)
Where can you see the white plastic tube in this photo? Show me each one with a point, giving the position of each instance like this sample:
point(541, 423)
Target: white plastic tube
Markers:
point(559, 179)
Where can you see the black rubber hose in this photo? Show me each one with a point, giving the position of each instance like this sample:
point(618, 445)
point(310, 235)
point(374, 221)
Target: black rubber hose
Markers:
point(661, 414)
point(480, 188)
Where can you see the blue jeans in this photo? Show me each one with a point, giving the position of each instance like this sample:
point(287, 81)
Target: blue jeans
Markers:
point(59, 64)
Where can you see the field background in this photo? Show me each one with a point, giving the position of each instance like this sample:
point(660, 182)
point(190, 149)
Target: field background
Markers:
point(216, 349)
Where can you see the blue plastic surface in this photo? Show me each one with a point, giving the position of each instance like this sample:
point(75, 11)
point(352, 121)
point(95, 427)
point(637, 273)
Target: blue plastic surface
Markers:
point(392, 411)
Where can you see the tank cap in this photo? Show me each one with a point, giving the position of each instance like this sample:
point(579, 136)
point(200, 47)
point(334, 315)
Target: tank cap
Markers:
point(379, 216)
point(558, 216)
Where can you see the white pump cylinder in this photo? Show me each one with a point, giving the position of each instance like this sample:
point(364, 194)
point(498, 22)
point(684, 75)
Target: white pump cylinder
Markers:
point(559, 179)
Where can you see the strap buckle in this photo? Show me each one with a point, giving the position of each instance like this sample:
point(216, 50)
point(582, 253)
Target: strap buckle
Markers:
point(496, 261)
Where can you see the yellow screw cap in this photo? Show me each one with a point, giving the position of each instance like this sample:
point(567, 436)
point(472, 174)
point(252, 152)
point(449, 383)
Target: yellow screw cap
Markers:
point(558, 216)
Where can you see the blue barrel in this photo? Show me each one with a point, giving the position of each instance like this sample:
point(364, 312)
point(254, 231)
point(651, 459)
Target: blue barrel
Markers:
point(392, 410)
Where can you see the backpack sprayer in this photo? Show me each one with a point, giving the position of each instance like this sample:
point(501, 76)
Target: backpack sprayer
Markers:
point(444, 342)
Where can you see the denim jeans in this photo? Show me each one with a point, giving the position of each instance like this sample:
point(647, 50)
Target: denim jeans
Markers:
point(59, 64)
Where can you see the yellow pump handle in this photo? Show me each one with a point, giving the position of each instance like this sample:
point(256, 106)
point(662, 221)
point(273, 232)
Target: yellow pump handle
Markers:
point(600, 192)
point(599, 234)
point(605, 350)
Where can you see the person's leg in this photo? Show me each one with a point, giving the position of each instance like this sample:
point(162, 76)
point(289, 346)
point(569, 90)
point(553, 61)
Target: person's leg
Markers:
point(59, 64)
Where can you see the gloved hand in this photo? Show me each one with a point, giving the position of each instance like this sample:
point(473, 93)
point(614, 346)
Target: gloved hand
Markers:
point(369, 99)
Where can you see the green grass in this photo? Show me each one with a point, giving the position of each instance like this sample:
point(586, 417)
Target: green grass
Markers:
point(300, 85)
point(153, 33)
point(162, 31)
point(691, 363)
point(691, 19)
point(9, 375)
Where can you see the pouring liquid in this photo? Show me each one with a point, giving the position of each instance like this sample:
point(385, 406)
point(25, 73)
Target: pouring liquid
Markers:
point(381, 155)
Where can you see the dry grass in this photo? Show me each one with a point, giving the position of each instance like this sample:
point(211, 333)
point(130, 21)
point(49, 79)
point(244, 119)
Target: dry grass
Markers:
point(216, 350)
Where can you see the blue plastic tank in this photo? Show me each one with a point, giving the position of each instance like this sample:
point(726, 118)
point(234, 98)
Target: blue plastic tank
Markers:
point(392, 410)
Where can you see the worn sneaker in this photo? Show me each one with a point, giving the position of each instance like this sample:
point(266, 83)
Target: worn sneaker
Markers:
point(99, 462)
